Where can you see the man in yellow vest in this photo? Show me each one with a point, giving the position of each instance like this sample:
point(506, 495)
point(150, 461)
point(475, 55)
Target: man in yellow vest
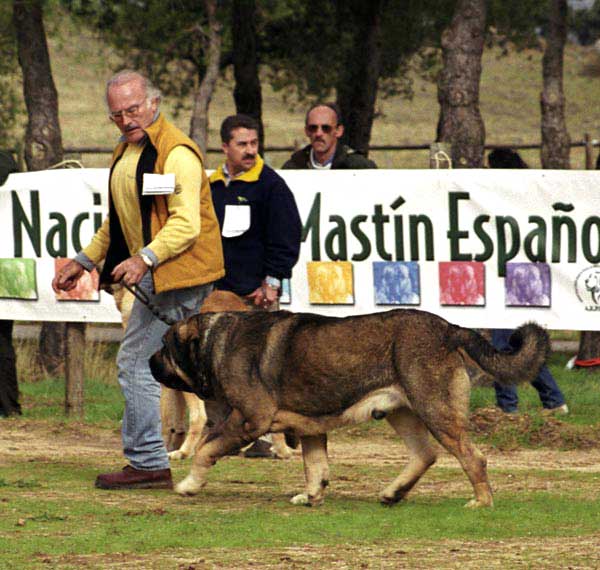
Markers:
point(162, 235)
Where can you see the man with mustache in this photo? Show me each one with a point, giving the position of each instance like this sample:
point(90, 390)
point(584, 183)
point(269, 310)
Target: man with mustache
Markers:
point(161, 235)
point(260, 224)
point(324, 128)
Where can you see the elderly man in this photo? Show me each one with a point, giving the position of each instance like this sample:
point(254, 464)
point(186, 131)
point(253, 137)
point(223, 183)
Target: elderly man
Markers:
point(324, 128)
point(162, 236)
point(260, 225)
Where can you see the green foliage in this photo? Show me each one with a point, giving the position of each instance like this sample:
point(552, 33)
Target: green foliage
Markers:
point(307, 44)
point(516, 21)
point(166, 39)
point(586, 24)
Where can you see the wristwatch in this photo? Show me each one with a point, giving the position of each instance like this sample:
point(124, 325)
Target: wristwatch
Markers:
point(146, 259)
point(272, 282)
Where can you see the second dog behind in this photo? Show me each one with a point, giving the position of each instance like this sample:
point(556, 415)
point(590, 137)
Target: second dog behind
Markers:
point(181, 437)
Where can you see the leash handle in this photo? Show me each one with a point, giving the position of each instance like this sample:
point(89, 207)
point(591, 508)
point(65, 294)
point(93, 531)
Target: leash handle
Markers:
point(143, 298)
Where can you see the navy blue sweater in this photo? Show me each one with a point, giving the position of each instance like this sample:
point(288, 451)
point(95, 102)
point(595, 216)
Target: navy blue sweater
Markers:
point(271, 245)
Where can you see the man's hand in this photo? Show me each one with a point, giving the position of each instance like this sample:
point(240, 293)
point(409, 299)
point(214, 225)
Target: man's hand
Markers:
point(67, 277)
point(130, 271)
point(264, 296)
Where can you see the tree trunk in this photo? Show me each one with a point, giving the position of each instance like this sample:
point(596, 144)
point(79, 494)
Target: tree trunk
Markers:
point(204, 93)
point(247, 92)
point(43, 142)
point(460, 122)
point(357, 88)
point(555, 138)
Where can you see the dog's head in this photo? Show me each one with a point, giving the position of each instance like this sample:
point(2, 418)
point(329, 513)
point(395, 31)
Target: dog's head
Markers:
point(183, 363)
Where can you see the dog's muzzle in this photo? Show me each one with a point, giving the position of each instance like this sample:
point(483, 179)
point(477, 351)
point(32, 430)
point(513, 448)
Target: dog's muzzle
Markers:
point(164, 374)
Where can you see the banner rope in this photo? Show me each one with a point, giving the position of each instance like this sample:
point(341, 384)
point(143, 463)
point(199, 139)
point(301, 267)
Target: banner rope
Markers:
point(67, 163)
point(440, 156)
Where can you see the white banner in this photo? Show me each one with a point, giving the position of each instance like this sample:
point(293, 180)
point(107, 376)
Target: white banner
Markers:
point(482, 248)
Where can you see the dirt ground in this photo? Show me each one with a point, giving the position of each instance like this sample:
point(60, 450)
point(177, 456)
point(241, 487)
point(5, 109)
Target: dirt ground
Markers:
point(30, 440)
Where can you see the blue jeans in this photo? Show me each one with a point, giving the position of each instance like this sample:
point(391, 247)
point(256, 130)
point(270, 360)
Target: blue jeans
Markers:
point(143, 445)
point(506, 396)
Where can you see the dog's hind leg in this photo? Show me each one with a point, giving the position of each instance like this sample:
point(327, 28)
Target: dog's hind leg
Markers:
point(449, 425)
point(197, 421)
point(316, 470)
point(228, 436)
point(472, 461)
point(422, 454)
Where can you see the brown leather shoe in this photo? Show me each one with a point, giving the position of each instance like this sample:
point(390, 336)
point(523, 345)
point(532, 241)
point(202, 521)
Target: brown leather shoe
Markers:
point(131, 478)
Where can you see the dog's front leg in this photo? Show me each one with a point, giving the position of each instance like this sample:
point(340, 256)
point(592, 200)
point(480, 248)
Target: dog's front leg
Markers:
point(316, 470)
point(224, 438)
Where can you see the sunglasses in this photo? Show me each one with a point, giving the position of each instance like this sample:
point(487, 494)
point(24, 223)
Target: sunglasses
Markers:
point(325, 128)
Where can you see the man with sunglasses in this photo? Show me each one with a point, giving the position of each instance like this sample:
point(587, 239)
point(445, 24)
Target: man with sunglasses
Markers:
point(162, 236)
point(324, 128)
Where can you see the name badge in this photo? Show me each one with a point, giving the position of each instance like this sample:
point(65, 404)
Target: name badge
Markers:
point(236, 222)
point(154, 184)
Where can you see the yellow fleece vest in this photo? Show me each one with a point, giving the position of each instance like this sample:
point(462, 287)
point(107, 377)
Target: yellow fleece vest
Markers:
point(202, 262)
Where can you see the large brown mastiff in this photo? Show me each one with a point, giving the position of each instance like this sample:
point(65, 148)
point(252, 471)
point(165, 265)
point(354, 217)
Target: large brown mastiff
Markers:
point(273, 372)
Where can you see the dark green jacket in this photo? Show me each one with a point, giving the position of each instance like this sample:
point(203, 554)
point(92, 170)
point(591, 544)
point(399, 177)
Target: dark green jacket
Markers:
point(345, 158)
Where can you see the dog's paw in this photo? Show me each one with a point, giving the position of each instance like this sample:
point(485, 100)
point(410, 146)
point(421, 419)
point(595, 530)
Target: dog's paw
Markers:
point(307, 500)
point(301, 499)
point(189, 486)
point(391, 495)
point(177, 455)
point(389, 501)
point(282, 453)
point(475, 504)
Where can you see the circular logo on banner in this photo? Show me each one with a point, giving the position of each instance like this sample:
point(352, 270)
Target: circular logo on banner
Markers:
point(587, 287)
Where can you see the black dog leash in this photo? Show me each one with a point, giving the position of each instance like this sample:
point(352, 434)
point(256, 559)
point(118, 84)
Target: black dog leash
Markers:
point(141, 296)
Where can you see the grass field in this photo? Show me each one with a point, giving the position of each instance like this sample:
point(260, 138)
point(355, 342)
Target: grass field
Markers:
point(510, 90)
point(545, 473)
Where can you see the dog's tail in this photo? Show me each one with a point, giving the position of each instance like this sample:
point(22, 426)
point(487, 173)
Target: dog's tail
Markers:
point(530, 347)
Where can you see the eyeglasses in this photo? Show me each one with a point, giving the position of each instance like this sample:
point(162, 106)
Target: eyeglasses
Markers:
point(325, 128)
point(130, 112)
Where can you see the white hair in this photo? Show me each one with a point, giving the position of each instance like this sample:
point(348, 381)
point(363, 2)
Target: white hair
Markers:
point(127, 75)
